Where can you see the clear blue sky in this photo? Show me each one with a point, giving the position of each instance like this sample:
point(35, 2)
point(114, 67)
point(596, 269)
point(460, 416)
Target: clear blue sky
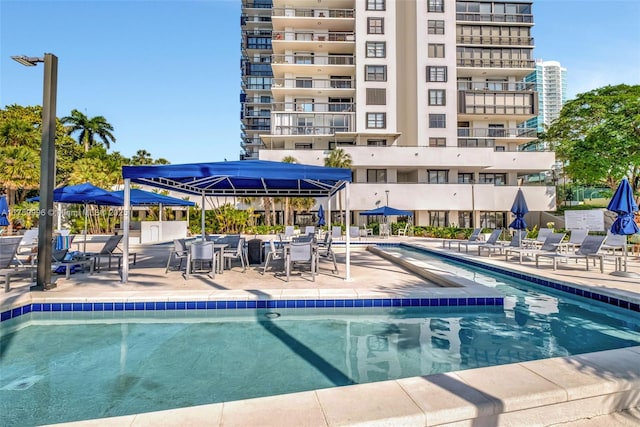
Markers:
point(166, 74)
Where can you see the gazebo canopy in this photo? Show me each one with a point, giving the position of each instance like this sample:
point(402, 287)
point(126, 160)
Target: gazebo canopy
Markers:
point(245, 178)
point(145, 198)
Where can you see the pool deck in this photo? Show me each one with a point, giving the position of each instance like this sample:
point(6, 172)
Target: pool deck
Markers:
point(591, 389)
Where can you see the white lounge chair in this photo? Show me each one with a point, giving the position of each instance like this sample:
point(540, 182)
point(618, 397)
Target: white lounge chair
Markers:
point(589, 249)
point(539, 240)
point(475, 235)
point(575, 240)
point(492, 240)
point(551, 245)
point(8, 249)
point(516, 242)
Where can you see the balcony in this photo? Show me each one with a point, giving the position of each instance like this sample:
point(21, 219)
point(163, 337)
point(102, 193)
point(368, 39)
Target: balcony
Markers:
point(465, 85)
point(311, 65)
point(511, 18)
point(335, 19)
point(495, 40)
point(312, 87)
point(523, 133)
point(314, 107)
point(496, 63)
point(514, 105)
point(316, 41)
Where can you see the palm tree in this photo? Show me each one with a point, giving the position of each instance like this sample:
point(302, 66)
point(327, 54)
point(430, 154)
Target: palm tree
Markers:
point(19, 172)
point(89, 128)
point(142, 157)
point(338, 159)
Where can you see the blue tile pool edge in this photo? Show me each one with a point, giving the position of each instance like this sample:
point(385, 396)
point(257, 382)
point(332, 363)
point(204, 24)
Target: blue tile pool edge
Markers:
point(540, 281)
point(249, 304)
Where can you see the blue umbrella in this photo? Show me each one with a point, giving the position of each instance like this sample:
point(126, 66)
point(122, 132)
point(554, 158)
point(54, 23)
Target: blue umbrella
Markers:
point(519, 209)
point(623, 204)
point(387, 211)
point(321, 220)
point(4, 212)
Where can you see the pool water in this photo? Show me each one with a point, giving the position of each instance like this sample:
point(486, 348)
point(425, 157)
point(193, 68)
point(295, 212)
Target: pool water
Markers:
point(57, 367)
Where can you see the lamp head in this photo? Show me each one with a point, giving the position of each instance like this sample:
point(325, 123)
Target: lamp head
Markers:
point(27, 61)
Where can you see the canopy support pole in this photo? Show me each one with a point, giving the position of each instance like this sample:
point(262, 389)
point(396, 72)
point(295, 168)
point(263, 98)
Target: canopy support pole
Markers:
point(348, 237)
point(202, 219)
point(126, 211)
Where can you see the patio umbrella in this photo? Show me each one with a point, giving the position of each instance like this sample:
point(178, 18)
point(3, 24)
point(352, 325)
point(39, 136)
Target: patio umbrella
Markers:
point(519, 209)
point(87, 194)
point(321, 220)
point(624, 205)
point(387, 211)
point(4, 212)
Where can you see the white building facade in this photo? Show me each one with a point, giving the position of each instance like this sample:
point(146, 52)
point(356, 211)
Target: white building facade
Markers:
point(550, 79)
point(427, 97)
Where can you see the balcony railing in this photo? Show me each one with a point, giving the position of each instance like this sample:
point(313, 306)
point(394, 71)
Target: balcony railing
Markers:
point(495, 40)
point(309, 130)
point(310, 36)
point(314, 107)
point(497, 86)
point(256, 4)
point(314, 83)
point(313, 13)
point(313, 59)
point(496, 17)
point(496, 63)
point(498, 133)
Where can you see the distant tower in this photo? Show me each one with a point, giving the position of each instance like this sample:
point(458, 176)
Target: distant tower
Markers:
point(550, 79)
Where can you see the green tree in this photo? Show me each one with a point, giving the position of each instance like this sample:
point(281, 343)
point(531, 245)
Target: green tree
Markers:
point(598, 136)
point(338, 158)
point(89, 129)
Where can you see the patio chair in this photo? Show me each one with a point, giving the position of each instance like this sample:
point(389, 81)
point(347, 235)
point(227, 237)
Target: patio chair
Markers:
point(538, 241)
point(289, 231)
point(179, 252)
point(8, 250)
point(354, 232)
point(109, 251)
point(475, 235)
point(201, 259)
point(304, 238)
point(300, 253)
point(551, 245)
point(589, 249)
point(328, 254)
point(492, 240)
point(235, 250)
point(275, 254)
point(336, 232)
point(516, 242)
point(310, 229)
point(403, 231)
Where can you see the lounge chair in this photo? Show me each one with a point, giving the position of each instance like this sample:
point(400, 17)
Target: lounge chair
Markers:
point(336, 232)
point(575, 240)
point(8, 250)
point(614, 242)
point(539, 240)
point(110, 251)
point(516, 242)
point(354, 232)
point(403, 231)
point(589, 249)
point(475, 235)
point(492, 240)
point(28, 241)
point(551, 245)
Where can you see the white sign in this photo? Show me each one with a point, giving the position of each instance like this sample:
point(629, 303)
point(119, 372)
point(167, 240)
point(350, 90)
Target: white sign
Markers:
point(592, 220)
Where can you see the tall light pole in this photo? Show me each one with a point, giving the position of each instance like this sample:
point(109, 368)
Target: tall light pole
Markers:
point(387, 191)
point(47, 165)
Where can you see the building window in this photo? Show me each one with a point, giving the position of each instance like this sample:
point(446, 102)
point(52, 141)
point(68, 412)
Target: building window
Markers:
point(435, 26)
point(465, 219)
point(303, 146)
point(437, 142)
point(436, 74)
point(375, 4)
point(437, 120)
point(304, 82)
point(376, 96)
point(435, 6)
point(438, 218)
point(492, 178)
point(376, 120)
point(376, 50)
point(436, 50)
point(375, 73)
point(437, 97)
point(376, 142)
point(376, 175)
point(375, 25)
point(438, 176)
point(465, 178)
point(493, 220)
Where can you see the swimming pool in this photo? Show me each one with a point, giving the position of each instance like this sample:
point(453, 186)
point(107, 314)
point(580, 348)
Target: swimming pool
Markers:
point(105, 363)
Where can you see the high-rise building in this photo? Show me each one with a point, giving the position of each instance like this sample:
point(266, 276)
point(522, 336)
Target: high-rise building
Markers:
point(426, 97)
point(550, 80)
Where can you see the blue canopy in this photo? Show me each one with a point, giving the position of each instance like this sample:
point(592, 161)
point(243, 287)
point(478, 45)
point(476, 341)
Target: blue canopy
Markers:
point(623, 204)
point(4, 212)
point(142, 198)
point(519, 209)
point(387, 211)
point(248, 178)
point(86, 193)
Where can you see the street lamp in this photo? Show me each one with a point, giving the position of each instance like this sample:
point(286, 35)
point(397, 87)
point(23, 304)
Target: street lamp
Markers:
point(387, 191)
point(47, 165)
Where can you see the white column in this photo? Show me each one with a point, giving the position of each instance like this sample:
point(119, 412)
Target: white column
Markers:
point(348, 237)
point(125, 224)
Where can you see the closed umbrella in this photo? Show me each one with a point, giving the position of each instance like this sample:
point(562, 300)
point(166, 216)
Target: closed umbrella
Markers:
point(519, 209)
point(624, 205)
point(321, 220)
point(4, 212)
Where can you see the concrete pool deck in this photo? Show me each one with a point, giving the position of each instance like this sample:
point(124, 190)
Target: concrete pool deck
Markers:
point(575, 390)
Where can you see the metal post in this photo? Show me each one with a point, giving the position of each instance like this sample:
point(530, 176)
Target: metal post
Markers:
point(47, 173)
point(126, 221)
